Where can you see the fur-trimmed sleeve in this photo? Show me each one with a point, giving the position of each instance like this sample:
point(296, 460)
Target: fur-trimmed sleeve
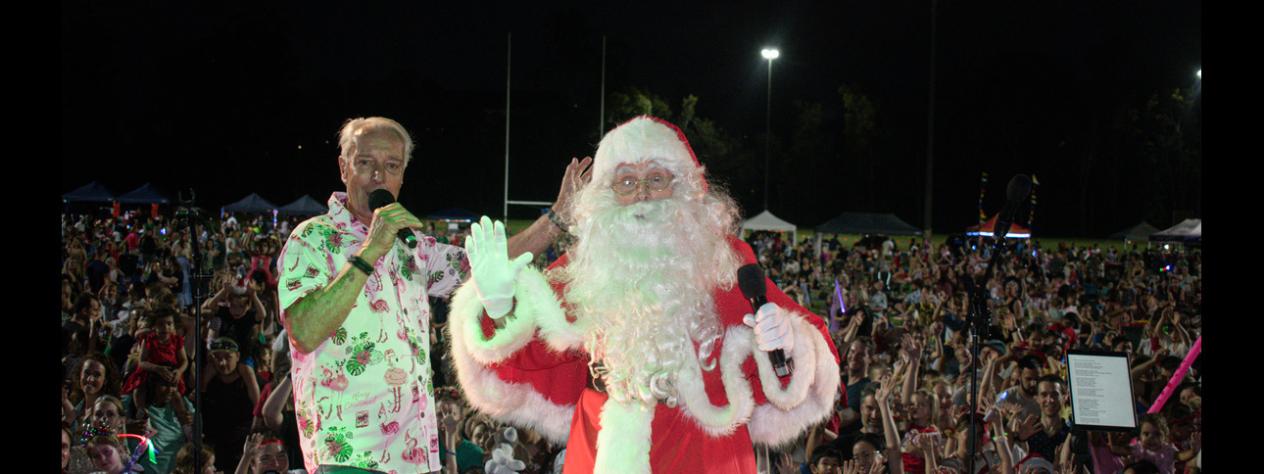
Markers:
point(807, 398)
point(786, 407)
point(510, 373)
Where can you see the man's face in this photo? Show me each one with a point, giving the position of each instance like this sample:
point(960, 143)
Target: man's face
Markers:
point(1029, 377)
point(1050, 398)
point(645, 181)
point(858, 359)
point(272, 457)
point(92, 309)
point(377, 163)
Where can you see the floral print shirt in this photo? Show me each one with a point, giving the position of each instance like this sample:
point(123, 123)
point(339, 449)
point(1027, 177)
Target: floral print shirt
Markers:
point(364, 396)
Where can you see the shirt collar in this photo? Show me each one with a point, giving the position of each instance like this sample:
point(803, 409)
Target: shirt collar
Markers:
point(342, 217)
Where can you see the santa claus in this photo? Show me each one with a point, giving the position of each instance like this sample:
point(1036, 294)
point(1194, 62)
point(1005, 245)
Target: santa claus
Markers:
point(637, 349)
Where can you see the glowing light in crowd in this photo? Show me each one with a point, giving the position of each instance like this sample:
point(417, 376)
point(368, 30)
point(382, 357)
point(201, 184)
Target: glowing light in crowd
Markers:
point(1008, 236)
point(144, 442)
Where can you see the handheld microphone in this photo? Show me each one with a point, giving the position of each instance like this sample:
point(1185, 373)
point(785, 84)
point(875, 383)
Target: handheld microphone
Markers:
point(750, 278)
point(1015, 193)
point(380, 198)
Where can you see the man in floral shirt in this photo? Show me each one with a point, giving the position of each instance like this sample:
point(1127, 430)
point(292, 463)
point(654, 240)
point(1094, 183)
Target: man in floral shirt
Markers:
point(354, 303)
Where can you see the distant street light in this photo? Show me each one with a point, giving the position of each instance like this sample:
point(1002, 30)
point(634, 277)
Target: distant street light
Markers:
point(1200, 73)
point(769, 54)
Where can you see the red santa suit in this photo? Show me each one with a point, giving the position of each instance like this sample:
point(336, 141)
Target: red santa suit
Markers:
point(536, 375)
point(534, 372)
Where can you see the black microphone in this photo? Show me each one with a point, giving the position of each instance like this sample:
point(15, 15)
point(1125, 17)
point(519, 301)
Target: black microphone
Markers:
point(380, 198)
point(1015, 193)
point(750, 278)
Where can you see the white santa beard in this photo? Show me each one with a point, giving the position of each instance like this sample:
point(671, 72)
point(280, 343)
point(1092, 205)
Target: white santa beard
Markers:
point(640, 280)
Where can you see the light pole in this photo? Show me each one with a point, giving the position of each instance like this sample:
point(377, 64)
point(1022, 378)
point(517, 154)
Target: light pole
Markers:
point(769, 54)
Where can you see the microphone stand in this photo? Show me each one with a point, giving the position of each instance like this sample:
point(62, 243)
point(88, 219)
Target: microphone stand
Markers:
point(199, 348)
point(979, 321)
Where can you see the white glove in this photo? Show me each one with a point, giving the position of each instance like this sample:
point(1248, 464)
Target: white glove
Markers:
point(503, 462)
point(494, 274)
point(772, 328)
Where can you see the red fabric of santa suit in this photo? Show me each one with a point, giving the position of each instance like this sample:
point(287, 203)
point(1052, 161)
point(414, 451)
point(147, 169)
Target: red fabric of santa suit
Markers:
point(534, 373)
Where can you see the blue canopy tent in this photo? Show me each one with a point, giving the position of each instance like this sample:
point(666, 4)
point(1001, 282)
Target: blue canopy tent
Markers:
point(92, 192)
point(867, 223)
point(253, 204)
point(303, 206)
point(146, 194)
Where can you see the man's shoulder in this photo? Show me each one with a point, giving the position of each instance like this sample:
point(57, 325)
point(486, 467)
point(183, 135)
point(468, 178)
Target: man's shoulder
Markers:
point(314, 224)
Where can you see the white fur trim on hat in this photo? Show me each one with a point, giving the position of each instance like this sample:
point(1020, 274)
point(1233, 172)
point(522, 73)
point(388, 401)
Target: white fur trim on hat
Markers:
point(643, 139)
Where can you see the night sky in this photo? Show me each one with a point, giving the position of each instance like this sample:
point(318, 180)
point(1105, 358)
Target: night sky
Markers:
point(221, 98)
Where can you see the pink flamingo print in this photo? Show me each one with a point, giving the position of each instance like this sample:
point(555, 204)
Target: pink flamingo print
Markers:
point(379, 306)
point(412, 453)
point(336, 383)
point(390, 428)
point(395, 377)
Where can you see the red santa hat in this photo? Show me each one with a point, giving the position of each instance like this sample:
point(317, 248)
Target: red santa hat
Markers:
point(645, 139)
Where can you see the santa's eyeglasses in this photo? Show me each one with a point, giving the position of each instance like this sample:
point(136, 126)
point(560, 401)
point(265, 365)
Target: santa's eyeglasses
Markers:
point(656, 181)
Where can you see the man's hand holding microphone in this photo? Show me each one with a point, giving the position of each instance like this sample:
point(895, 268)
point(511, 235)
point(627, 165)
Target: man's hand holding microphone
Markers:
point(390, 222)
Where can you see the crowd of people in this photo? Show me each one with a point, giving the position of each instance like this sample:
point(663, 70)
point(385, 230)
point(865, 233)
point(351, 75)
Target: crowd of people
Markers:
point(901, 331)
point(129, 345)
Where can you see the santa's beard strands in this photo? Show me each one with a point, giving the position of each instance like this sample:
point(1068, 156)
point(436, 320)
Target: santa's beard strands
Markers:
point(640, 279)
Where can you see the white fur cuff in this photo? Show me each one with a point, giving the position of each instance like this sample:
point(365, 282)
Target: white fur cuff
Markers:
point(804, 355)
point(781, 422)
point(467, 314)
point(514, 403)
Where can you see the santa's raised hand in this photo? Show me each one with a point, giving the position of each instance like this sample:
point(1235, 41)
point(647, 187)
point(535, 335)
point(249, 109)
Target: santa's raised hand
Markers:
point(493, 273)
point(772, 328)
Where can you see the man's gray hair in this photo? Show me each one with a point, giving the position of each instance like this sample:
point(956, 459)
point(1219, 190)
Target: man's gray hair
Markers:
point(357, 126)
